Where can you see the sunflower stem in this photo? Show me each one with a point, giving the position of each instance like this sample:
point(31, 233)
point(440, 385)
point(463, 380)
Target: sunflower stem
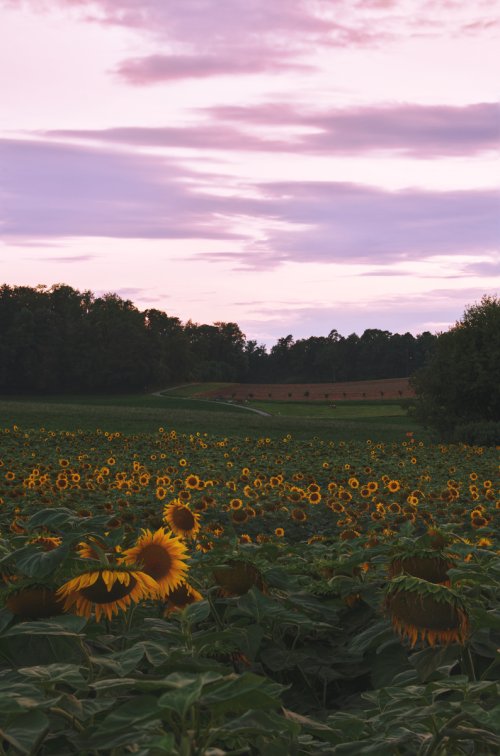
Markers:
point(468, 663)
point(442, 734)
point(69, 717)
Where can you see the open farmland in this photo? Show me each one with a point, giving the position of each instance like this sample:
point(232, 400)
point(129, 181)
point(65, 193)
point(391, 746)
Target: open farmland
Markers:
point(176, 593)
point(387, 388)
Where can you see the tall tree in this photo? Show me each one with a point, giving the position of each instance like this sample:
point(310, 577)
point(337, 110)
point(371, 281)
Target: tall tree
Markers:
point(460, 382)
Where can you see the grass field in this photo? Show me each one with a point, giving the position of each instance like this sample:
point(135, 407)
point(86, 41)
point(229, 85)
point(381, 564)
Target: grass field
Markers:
point(380, 420)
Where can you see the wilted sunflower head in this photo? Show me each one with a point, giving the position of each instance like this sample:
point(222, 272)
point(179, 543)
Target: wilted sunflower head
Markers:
point(181, 520)
point(236, 577)
point(162, 556)
point(105, 591)
point(432, 567)
point(433, 613)
point(34, 601)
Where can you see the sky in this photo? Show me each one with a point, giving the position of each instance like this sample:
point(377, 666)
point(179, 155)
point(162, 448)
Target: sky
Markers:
point(293, 166)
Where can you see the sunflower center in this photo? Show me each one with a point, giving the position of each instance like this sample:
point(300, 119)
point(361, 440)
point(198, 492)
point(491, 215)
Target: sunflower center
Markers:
point(156, 560)
point(183, 518)
point(99, 594)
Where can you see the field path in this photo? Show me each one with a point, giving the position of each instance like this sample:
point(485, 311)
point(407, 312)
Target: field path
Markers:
point(212, 401)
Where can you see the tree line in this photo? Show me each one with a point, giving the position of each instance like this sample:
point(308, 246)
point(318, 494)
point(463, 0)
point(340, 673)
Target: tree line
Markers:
point(58, 339)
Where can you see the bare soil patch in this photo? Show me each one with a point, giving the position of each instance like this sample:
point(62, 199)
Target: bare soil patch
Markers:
point(387, 388)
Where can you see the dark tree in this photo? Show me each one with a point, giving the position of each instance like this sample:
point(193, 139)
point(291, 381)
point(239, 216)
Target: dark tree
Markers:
point(460, 384)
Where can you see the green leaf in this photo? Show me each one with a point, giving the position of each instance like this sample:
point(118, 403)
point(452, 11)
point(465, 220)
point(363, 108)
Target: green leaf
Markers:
point(6, 618)
point(134, 711)
point(66, 625)
point(181, 699)
point(386, 665)
point(156, 653)
point(69, 674)
point(197, 612)
point(428, 661)
point(121, 663)
point(263, 722)
point(35, 563)
point(53, 518)
point(373, 636)
point(26, 731)
point(247, 691)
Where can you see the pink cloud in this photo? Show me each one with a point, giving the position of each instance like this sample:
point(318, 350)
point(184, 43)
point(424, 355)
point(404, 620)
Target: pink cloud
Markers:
point(54, 190)
point(413, 130)
point(152, 69)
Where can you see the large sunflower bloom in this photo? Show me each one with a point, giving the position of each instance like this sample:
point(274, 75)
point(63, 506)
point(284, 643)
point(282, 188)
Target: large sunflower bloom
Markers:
point(162, 556)
point(181, 520)
point(105, 591)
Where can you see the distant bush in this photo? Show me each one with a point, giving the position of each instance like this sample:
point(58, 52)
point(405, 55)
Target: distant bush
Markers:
point(486, 433)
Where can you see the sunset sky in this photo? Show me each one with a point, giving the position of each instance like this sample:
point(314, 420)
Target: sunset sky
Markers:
point(294, 166)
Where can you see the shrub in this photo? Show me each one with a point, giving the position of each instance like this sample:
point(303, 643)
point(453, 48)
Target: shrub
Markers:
point(485, 433)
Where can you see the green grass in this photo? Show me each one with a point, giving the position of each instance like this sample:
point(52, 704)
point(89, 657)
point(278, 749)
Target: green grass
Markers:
point(343, 410)
point(145, 414)
point(193, 389)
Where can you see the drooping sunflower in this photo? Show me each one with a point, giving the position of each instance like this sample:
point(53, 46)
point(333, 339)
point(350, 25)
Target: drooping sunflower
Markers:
point(162, 557)
point(237, 576)
point(416, 612)
point(181, 520)
point(33, 601)
point(104, 591)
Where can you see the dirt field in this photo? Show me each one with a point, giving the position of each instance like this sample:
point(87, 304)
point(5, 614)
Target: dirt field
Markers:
point(389, 388)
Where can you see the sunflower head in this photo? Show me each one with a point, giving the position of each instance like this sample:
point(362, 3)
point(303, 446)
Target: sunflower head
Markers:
point(105, 591)
point(416, 612)
point(34, 601)
point(431, 567)
point(180, 597)
point(236, 577)
point(181, 519)
point(162, 556)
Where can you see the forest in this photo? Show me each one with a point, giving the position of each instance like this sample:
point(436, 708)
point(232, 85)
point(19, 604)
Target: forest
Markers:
point(57, 339)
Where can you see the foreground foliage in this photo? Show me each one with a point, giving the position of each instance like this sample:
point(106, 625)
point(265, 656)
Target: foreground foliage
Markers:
point(190, 594)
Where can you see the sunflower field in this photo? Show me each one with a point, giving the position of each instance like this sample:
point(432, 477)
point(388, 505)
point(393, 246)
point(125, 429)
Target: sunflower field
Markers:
point(199, 595)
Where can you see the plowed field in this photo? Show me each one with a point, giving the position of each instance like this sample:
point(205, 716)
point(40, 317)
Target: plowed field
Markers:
point(388, 388)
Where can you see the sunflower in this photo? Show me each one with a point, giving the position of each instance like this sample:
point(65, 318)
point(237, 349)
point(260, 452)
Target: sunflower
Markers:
point(33, 601)
point(236, 577)
point(299, 515)
point(91, 550)
point(239, 516)
point(47, 543)
point(105, 591)
point(436, 617)
point(192, 481)
point(431, 567)
point(162, 556)
point(182, 521)
point(180, 597)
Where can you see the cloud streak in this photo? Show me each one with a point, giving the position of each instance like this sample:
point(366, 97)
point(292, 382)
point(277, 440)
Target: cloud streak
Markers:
point(415, 131)
point(54, 190)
